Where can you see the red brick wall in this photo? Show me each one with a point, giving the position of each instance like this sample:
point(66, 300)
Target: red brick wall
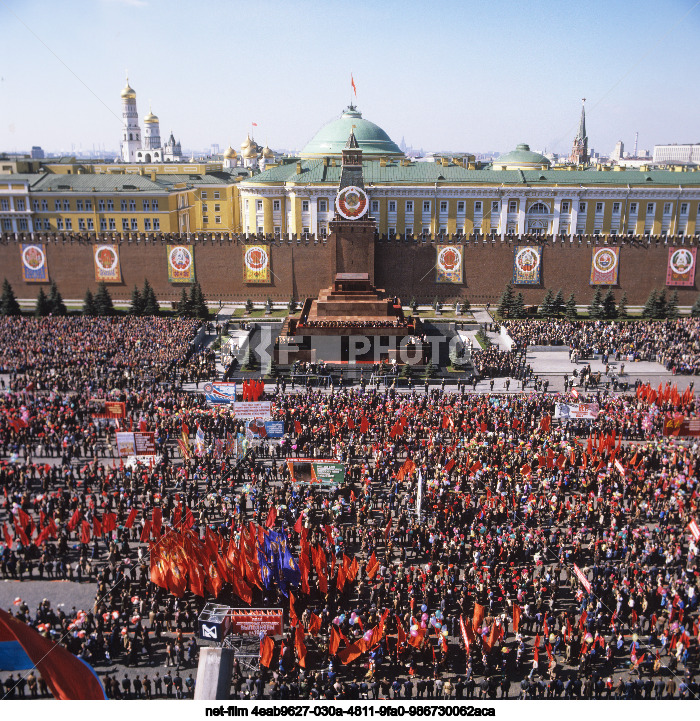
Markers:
point(301, 268)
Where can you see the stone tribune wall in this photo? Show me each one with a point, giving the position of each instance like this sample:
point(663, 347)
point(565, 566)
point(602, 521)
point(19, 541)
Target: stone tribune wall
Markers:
point(301, 267)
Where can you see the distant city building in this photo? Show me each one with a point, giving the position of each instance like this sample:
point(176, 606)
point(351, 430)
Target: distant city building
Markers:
point(37, 152)
point(677, 153)
point(579, 150)
point(619, 151)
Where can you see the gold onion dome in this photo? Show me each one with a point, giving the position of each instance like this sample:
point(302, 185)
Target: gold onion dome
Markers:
point(247, 143)
point(250, 152)
point(267, 153)
point(230, 153)
point(128, 93)
point(150, 118)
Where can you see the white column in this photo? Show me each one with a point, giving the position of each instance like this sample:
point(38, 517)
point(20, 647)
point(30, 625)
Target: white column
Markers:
point(504, 216)
point(522, 207)
point(557, 213)
point(313, 209)
point(574, 217)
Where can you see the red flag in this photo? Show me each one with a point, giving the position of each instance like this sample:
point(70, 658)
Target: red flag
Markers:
point(297, 525)
point(364, 424)
point(293, 619)
point(372, 566)
point(146, 532)
point(297, 427)
point(352, 82)
point(96, 527)
point(159, 572)
point(300, 646)
point(67, 676)
point(387, 530)
point(314, 624)
point(334, 642)
point(242, 589)
point(109, 522)
point(516, 617)
point(353, 651)
point(85, 532)
point(271, 517)
point(157, 521)
point(478, 617)
point(267, 649)
point(6, 534)
point(130, 520)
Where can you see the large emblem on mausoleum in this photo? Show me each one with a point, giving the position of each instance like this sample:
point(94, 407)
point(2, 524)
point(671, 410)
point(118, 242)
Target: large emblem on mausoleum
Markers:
point(352, 202)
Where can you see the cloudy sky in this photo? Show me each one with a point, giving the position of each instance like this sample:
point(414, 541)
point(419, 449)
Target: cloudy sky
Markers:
point(470, 75)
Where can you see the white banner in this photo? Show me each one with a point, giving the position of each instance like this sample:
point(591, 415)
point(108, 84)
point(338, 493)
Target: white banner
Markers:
point(576, 410)
point(253, 409)
point(419, 495)
point(126, 444)
point(582, 577)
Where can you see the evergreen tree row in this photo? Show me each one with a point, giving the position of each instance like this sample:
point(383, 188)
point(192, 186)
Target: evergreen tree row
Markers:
point(193, 305)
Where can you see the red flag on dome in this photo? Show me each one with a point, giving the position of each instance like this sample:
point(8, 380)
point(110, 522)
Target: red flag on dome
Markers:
point(352, 82)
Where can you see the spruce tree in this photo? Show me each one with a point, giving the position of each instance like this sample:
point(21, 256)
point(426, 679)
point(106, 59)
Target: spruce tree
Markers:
point(89, 306)
point(695, 310)
point(571, 311)
point(609, 310)
point(547, 306)
point(43, 307)
point(292, 305)
point(559, 306)
point(672, 306)
point(650, 307)
point(505, 304)
point(136, 307)
point(198, 302)
point(57, 306)
point(150, 302)
point(595, 309)
point(622, 307)
point(184, 306)
point(518, 308)
point(660, 311)
point(465, 306)
point(8, 301)
point(103, 300)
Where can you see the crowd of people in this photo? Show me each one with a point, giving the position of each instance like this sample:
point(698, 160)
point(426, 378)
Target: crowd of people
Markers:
point(345, 323)
point(476, 546)
point(673, 343)
point(492, 362)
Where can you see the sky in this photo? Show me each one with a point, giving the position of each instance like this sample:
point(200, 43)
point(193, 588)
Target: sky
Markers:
point(469, 75)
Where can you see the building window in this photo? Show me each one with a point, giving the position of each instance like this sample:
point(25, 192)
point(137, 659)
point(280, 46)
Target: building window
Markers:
point(35, 205)
point(495, 206)
point(565, 206)
point(375, 206)
point(66, 205)
point(275, 205)
point(461, 205)
point(146, 223)
point(205, 208)
point(125, 224)
point(426, 230)
point(69, 224)
point(112, 224)
point(146, 205)
point(88, 204)
point(246, 207)
point(667, 208)
point(426, 206)
point(304, 208)
point(56, 204)
point(477, 206)
point(103, 224)
point(217, 195)
point(79, 205)
point(277, 229)
point(204, 194)
point(323, 206)
point(123, 205)
point(392, 231)
point(155, 205)
point(110, 205)
point(324, 231)
point(258, 205)
point(132, 205)
point(304, 230)
point(217, 208)
point(23, 224)
point(633, 208)
point(443, 206)
point(650, 208)
point(156, 223)
point(217, 219)
point(581, 207)
point(90, 224)
point(409, 206)
point(684, 208)
point(443, 230)
point(598, 207)
point(101, 205)
point(6, 224)
point(512, 206)
point(616, 207)
point(392, 206)
point(5, 204)
point(47, 224)
point(409, 230)
point(59, 223)
point(44, 205)
point(205, 219)
point(134, 224)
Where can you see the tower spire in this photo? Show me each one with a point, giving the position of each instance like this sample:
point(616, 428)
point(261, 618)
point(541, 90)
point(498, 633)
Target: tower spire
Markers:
point(579, 149)
point(582, 122)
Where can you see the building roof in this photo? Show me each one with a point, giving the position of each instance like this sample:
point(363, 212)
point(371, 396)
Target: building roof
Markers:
point(97, 182)
point(314, 171)
point(522, 157)
point(332, 137)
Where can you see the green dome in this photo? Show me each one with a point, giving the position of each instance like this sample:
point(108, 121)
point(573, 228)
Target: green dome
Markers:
point(521, 158)
point(331, 138)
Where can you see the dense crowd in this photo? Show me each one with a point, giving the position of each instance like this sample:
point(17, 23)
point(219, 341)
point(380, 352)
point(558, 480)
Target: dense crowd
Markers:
point(492, 362)
point(674, 343)
point(444, 565)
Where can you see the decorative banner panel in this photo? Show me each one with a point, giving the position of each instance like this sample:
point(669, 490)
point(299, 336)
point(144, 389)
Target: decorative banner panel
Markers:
point(256, 264)
point(449, 264)
point(35, 268)
point(351, 202)
point(526, 265)
point(180, 263)
point(107, 264)
point(604, 266)
point(681, 266)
